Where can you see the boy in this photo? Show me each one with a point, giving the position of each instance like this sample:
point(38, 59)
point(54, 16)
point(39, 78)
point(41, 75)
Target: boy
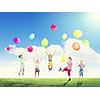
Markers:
point(68, 68)
point(21, 65)
point(81, 66)
point(37, 70)
point(50, 63)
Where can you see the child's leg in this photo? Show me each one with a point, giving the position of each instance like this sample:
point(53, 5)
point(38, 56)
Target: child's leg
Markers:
point(23, 71)
point(38, 73)
point(35, 74)
point(20, 70)
point(69, 71)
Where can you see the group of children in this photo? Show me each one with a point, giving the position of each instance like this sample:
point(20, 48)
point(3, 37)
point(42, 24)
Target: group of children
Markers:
point(68, 68)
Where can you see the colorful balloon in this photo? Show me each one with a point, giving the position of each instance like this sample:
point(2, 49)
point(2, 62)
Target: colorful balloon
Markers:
point(29, 48)
point(53, 27)
point(8, 48)
point(31, 36)
point(85, 42)
point(63, 58)
point(76, 46)
point(77, 34)
point(64, 36)
point(44, 42)
point(16, 40)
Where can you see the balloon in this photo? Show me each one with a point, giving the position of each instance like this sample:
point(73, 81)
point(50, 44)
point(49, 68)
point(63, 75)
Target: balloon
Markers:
point(29, 48)
point(64, 36)
point(63, 58)
point(53, 27)
point(76, 46)
point(16, 40)
point(31, 36)
point(85, 42)
point(44, 42)
point(8, 48)
point(77, 34)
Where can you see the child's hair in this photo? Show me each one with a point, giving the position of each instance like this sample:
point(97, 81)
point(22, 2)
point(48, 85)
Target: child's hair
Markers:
point(20, 56)
point(70, 58)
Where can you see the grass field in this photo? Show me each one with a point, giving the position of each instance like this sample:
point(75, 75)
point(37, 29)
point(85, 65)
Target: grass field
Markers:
point(44, 82)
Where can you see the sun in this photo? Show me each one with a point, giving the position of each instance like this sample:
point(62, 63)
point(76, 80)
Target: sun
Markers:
point(95, 17)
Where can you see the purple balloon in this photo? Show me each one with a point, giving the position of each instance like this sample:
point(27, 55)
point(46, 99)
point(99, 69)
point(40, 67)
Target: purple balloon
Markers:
point(16, 40)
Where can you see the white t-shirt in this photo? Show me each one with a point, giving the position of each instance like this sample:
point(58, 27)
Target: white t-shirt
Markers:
point(36, 65)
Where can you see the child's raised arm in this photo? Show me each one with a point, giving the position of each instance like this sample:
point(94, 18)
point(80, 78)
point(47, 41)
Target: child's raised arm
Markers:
point(34, 60)
point(46, 52)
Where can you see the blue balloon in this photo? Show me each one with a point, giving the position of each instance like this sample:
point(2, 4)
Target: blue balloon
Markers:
point(31, 36)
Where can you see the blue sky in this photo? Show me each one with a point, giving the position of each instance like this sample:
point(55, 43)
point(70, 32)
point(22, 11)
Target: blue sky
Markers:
point(21, 24)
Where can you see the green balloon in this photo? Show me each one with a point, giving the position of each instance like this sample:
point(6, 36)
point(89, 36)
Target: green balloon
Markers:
point(85, 42)
point(64, 36)
point(44, 42)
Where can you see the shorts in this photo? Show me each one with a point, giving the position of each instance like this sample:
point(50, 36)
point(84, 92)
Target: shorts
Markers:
point(81, 72)
point(50, 65)
point(22, 67)
point(68, 71)
point(37, 70)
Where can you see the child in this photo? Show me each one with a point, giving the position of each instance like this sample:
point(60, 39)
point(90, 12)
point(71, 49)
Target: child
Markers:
point(68, 68)
point(21, 65)
point(50, 63)
point(37, 70)
point(81, 66)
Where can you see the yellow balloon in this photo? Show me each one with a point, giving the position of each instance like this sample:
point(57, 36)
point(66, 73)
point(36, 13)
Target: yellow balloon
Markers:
point(64, 36)
point(85, 42)
point(77, 34)
point(63, 58)
point(44, 42)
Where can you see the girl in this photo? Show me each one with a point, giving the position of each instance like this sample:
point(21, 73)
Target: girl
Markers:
point(68, 68)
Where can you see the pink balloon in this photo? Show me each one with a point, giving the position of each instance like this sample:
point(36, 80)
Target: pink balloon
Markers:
point(16, 40)
point(29, 48)
point(53, 27)
point(8, 48)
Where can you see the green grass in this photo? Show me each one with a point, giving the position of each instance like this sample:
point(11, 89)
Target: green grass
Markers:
point(45, 82)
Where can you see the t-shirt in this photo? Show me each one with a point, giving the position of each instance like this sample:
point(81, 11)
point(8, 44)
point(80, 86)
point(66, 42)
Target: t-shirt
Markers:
point(21, 61)
point(69, 66)
point(81, 66)
point(36, 65)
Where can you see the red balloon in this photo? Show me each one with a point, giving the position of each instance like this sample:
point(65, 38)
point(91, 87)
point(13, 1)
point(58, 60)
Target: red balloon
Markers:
point(8, 48)
point(53, 27)
point(29, 48)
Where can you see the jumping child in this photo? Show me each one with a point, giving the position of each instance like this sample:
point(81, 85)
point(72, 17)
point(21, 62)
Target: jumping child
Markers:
point(21, 65)
point(68, 68)
point(37, 70)
point(81, 67)
point(50, 56)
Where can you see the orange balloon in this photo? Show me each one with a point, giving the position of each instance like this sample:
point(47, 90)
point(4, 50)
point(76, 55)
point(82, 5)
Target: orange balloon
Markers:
point(76, 46)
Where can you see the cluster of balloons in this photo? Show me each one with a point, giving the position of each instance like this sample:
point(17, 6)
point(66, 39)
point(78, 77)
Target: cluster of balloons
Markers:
point(44, 43)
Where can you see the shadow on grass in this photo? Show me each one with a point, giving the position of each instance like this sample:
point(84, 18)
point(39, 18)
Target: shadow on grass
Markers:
point(65, 83)
point(79, 83)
